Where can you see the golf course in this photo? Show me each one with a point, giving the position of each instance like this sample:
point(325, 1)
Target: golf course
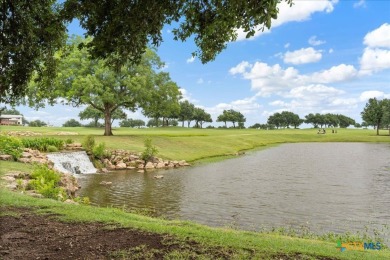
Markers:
point(158, 237)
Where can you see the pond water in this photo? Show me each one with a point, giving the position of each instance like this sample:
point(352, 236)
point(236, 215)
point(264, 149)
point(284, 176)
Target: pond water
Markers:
point(321, 186)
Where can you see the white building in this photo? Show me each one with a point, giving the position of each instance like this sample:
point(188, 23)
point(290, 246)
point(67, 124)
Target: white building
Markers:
point(11, 120)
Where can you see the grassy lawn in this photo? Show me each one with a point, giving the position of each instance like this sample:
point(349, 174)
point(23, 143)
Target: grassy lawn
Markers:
point(178, 143)
point(196, 145)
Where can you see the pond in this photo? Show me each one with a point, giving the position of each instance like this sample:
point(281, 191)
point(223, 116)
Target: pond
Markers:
point(325, 187)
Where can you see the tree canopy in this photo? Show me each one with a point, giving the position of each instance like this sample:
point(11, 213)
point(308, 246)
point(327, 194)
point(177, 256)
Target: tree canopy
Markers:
point(231, 116)
point(376, 113)
point(31, 31)
point(84, 80)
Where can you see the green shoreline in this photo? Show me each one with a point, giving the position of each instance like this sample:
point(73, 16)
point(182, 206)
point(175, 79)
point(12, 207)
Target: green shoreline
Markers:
point(264, 245)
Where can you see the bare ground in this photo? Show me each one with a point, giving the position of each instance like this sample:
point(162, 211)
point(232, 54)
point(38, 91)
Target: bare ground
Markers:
point(26, 235)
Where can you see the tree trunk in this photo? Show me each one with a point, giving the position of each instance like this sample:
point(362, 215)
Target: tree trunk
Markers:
point(96, 121)
point(201, 124)
point(188, 123)
point(234, 124)
point(225, 125)
point(377, 129)
point(107, 122)
point(182, 125)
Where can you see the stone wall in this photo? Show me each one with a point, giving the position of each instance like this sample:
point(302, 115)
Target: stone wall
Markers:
point(121, 160)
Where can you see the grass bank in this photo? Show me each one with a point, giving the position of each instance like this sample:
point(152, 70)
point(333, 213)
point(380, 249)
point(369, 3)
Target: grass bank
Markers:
point(196, 145)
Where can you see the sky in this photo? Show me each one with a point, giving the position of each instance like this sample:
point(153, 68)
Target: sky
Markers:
point(320, 56)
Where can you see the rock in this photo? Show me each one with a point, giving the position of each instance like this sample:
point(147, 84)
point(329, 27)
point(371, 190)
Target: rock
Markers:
point(160, 165)
point(158, 176)
point(6, 157)
point(77, 145)
point(11, 186)
point(141, 171)
point(69, 201)
point(26, 155)
point(8, 178)
point(105, 183)
point(69, 182)
point(133, 157)
point(34, 194)
point(121, 165)
point(149, 165)
point(140, 166)
point(171, 165)
point(104, 170)
point(24, 160)
point(130, 167)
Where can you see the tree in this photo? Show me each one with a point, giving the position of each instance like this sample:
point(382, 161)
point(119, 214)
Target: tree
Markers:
point(31, 31)
point(162, 101)
point(290, 119)
point(386, 113)
point(373, 113)
point(91, 113)
point(231, 116)
point(72, 123)
point(201, 116)
point(37, 123)
point(121, 30)
point(276, 119)
point(345, 121)
point(132, 123)
point(154, 123)
point(83, 80)
point(186, 112)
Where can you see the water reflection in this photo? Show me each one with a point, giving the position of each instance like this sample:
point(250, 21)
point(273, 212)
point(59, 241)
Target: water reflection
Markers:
point(324, 186)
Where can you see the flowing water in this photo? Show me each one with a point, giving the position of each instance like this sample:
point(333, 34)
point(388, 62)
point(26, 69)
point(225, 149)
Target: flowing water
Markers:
point(72, 162)
point(322, 186)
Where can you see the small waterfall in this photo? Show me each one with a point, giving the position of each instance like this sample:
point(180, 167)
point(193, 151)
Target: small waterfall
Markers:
point(72, 162)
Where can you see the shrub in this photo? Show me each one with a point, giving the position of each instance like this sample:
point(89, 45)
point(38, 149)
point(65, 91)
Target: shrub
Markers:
point(11, 146)
point(42, 144)
point(52, 149)
point(150, 150)
point(68, 141)
point(89, 143)
point(99, 150)
point(46, 182)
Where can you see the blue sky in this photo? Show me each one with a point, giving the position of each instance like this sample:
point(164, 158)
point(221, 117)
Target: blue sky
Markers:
point(320, 56)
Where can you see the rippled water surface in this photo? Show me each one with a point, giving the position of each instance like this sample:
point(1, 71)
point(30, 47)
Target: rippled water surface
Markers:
point(323, 186)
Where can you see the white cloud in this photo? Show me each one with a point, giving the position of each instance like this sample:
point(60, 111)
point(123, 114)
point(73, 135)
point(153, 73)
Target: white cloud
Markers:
point(314, 91)
point(200, 81)
point(191, 60)
point(338, 73)
point(366, 95)
point(302, 56)
point(330, 50)
point(378, 38)
point(186, 96)
point(313, 41)
point(374, 60)
point(376, 56)
point(287, 45)
point(240, 68)
point(300, 11)
point(361, 3)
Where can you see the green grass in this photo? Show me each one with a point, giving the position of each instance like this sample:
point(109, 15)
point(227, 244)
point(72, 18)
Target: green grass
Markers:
point(192, 145)
point(196, 145)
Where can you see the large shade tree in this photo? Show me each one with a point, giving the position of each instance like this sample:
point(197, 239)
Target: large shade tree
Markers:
point(84, 80)
point(374, 112)
point(31, 31)
point(162, 100)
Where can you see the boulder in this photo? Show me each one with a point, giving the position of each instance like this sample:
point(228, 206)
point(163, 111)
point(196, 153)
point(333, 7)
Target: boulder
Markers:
point(160, 165)
point(105, 183)
point(24, 160)
point(158, 176)
point(121, 165)
point(6, 157)
point(69, 182)
point(26, 155)
point(104, 170)
point(8, 178)
point(149, 165)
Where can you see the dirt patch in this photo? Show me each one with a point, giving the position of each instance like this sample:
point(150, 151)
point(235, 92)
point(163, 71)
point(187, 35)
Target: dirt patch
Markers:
point(25, 235)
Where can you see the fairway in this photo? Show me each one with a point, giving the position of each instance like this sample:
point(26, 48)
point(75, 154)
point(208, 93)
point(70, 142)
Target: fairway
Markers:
point(194, 145)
